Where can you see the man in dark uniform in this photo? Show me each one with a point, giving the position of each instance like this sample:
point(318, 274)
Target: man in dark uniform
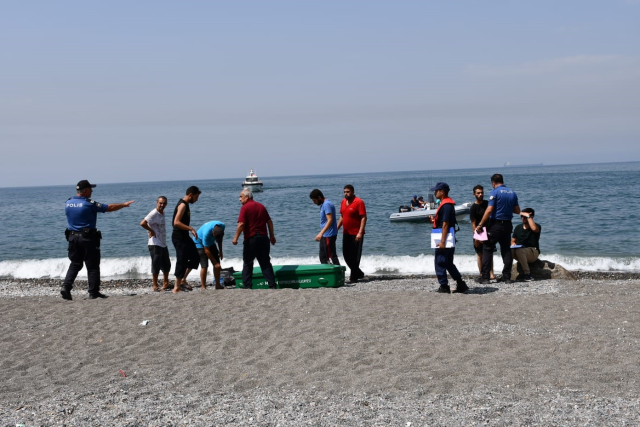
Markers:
point(84, 238)
point(503, 203)
point(187, 256)
point(445, 218)
point(254, 221)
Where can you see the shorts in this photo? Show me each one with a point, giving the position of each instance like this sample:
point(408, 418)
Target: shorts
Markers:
point(204, 259)
point(159, 259)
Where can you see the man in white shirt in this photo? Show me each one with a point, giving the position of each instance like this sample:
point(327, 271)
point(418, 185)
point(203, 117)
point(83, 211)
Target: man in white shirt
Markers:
point(154, 223)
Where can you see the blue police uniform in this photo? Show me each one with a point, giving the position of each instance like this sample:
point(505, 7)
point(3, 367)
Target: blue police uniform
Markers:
point(504, 200)
point(443, 259)
point(84, 241)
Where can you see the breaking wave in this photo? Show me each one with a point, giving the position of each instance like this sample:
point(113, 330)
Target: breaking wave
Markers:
point(139, 267)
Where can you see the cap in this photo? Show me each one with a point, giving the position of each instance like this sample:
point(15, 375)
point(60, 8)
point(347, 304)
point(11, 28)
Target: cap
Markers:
point(415, 195)
point(440, 186)
point(84, 184)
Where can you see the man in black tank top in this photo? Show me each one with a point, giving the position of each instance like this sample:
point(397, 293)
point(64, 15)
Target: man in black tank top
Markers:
point(187, 256)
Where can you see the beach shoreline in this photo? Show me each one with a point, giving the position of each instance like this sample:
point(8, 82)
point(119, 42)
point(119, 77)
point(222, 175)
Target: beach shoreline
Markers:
point(382, 352)
point(120, 285)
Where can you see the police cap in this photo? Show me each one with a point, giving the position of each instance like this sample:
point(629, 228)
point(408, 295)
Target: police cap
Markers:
point(440, 186)
point(84, 184)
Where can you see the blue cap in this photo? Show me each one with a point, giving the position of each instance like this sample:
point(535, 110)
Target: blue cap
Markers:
point(415, 195)
point(440, 186)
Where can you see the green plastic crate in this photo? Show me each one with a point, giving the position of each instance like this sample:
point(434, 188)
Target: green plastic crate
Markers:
point(298, 276)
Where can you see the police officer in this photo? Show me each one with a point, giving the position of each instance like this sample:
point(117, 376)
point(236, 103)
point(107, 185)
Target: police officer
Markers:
point(503, 203)
point(84, 238)
point(445, 218)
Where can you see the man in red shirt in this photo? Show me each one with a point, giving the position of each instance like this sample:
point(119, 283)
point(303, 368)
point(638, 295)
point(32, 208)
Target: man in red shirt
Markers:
point(353, 216)
point(254, 220)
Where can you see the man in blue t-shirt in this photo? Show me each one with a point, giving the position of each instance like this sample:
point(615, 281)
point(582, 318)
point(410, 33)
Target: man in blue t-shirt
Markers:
point(445, 218)
point(503, 203)
point(209, 234)
point(84, 238)
point(329, 228)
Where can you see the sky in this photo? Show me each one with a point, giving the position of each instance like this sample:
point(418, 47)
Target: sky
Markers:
point(128, 91)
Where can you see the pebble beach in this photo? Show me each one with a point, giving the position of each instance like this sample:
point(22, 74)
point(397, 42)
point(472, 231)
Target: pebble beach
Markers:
point(386, 351)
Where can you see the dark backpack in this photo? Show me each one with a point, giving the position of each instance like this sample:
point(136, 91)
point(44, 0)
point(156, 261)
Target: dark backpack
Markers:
point(227, 275)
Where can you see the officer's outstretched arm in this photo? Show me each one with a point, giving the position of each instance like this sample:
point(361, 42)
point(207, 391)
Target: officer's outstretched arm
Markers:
point(117, 206)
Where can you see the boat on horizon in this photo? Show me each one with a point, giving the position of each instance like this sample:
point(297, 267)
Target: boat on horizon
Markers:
point(251, 182)
point(522, 165)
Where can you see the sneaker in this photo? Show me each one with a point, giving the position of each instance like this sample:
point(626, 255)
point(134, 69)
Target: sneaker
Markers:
point(443, 290)
point(527, 278)
point(461, 287)
point(482, 281)
point(98, 295)
point(66, 295)
point(505, 280)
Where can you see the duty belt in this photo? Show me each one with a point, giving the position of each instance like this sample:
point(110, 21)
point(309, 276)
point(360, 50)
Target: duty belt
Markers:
point(87, 232)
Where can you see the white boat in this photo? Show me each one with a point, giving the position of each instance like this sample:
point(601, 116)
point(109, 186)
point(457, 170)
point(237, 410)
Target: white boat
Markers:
point(522, 165)
point(251, 182)
point(422, 215)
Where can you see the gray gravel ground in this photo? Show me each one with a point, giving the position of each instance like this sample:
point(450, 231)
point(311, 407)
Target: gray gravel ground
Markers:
point(135, 404)
point(134, 401)
point(51, 287)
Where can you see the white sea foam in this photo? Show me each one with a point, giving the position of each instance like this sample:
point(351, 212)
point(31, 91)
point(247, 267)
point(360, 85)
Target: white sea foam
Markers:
point(139, 267)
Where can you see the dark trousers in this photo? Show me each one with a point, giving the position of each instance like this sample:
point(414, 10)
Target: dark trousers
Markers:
point(83, 250)
point(443, 262)
point(257, 247)
point(352, 252)
point(498, 232)
point(187, 255)
point(328, 250)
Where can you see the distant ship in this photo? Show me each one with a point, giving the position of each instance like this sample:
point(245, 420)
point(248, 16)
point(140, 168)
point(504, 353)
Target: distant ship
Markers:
point(522, 165)
point(251, 182)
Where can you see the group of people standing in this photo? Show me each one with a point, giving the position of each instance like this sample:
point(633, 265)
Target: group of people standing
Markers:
point(491, 221)
point(196, 248)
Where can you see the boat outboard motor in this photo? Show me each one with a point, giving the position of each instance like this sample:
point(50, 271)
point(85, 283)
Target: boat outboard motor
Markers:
point(431, 200)
point(402, 209)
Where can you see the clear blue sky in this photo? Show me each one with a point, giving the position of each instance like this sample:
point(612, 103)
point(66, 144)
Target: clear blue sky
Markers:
point(117, 91)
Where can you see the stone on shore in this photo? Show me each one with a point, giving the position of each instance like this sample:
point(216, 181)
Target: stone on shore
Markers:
point(542, 269)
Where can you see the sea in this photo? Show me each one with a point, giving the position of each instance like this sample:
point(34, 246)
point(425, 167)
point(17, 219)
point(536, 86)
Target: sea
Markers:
point(589, 215)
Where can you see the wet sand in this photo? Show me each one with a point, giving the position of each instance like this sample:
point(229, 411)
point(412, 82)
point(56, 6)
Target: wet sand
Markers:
point(387, 351)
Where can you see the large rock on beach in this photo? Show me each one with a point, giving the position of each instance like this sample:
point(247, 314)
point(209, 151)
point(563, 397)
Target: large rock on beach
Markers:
point(542, 269)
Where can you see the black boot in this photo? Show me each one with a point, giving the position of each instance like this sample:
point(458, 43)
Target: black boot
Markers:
point(461, 287)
